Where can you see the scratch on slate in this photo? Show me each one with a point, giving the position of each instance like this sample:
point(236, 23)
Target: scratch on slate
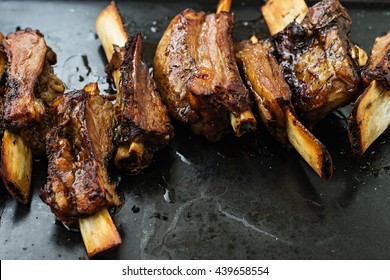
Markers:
point(183, 158)
point(246, 224)
point(180, 210)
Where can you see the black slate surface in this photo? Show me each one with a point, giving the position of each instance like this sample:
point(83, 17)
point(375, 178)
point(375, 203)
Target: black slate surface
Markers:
point(238, 199)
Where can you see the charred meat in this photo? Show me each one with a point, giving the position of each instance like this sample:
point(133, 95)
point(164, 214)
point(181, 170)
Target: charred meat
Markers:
point(317, 60)
point(1, 112)
point(196, 73)
point(2, 60)
point(143, 123)
point(2, 89)
point(78, 149)
point(379, 66)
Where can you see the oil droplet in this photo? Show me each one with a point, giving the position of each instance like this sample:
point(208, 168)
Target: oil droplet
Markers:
point(86, 64)
point(169, 195)
point(135, 209)
point(76, 71)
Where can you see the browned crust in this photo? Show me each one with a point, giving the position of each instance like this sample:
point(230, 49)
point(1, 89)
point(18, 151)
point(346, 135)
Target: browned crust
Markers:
point(136, 122)
point(264, 77)
point(2, 56)
point(379, 64)
point(173, 53)
point(26, 51)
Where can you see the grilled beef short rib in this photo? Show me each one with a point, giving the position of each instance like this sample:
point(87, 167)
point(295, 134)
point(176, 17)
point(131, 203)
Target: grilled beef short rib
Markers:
point(196, 73)
point(317, 61)
point(79, 147)
point(142, 117)
point(264, 77)
point(31, 86)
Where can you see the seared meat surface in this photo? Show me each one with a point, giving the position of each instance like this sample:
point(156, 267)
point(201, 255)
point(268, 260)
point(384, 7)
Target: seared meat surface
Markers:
point(1, 112)
point(79, 147)
point(2, 89)
point(264, 77)
point(141, 115)
point(2, 59)
point(31, 86)
point(26, 52)
point(196, 73)
point(379, 66)
point(317, 61)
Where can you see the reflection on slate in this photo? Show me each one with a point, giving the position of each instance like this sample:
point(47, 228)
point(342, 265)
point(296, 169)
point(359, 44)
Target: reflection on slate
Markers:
point(244, 198)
